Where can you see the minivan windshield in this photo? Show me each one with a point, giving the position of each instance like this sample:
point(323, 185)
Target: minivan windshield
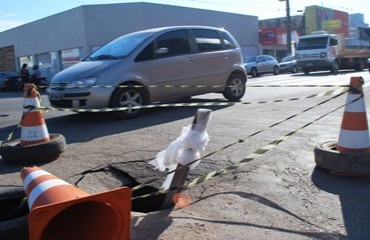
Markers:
point(120, 47)
point(312, 43)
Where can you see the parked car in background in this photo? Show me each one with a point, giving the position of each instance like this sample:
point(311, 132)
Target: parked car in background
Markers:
point(139, 65)
point(8, 80)
point(257, 65)
point(368, 65)
point(288, 64)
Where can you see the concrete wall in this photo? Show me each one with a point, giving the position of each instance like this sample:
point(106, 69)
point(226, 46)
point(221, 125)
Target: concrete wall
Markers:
point(61, 31)
point(113, 20)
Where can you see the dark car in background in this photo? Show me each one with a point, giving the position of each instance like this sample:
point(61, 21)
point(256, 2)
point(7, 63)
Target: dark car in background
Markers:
point(288, 64)
point(256, 65)
point(8, 80)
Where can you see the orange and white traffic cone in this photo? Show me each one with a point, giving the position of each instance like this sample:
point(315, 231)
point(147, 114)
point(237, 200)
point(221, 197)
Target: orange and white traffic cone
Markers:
point(354, 132)
point(62, 211)
point(33, 127)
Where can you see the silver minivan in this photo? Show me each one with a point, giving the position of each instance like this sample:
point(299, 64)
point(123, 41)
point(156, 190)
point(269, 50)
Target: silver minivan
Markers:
point(150, 66)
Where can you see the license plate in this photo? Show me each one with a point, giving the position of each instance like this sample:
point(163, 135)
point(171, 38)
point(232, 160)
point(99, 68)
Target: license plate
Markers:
point(309, 64)
point(55, 96)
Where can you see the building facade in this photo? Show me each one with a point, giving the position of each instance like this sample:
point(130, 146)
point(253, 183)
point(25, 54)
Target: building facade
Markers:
point(59, 41)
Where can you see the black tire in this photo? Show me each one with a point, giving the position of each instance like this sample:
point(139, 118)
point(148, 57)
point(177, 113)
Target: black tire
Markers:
point(306, 71)
point(17, 87)
point(353, 163)
point(359, 66)
point(276, 70)
point(254, 72)
point(235, 87)
point(335, 68)
point(13, 226)
point(13, 153)
point(129, 97)
point(294, 69)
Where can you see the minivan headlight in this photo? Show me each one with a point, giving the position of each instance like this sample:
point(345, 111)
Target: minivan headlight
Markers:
point(84, 82)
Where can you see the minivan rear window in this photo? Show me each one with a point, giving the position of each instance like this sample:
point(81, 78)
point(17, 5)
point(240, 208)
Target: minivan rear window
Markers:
point(120, 47)
point(207, 40)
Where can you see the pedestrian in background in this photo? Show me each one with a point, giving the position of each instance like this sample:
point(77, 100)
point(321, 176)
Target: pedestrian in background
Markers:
point(25, 75)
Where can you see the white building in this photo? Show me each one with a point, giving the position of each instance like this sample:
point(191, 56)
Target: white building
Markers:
point(60, 40)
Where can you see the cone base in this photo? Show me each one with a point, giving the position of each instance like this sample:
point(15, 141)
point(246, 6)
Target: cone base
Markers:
point(348, 163)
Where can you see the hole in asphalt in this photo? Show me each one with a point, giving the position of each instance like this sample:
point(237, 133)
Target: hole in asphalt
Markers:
point(146, 204)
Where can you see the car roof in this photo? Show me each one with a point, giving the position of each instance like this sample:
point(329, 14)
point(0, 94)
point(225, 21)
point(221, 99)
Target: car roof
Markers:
point(163, 29)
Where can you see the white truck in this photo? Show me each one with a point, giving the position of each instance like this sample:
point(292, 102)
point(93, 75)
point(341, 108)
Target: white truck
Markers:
point(322, 51)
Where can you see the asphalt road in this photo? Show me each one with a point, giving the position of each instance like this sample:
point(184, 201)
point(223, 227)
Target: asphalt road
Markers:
point(279, 195)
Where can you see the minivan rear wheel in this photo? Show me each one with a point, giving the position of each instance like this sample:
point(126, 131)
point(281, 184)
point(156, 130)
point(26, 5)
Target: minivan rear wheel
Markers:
point(235, 87)
point(131, 97)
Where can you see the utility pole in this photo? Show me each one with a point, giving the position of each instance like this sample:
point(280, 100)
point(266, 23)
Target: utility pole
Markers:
point(288, 30)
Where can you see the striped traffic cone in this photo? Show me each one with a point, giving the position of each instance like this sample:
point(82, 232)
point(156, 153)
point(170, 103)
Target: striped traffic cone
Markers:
point(354, 132)
point(62, 211)
point(33, 127)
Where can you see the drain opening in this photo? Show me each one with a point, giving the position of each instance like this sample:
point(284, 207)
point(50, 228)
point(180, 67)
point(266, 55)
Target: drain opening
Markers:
point(147, 204)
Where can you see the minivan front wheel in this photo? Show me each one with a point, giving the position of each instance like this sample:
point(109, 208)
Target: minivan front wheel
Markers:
point(235, 87)
point(130, 98)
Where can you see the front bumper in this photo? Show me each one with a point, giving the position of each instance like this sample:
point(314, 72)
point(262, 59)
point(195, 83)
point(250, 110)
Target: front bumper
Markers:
point(80, 98)
point(314, 64)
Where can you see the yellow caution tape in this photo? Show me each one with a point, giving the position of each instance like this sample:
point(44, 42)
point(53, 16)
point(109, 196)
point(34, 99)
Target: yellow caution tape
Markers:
point(197, 104)
point(242, 162)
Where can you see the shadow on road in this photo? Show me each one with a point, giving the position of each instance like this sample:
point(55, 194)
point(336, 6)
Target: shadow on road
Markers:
point(354, 196)
point(83, 127)
point(323, 234)
point(322, 73)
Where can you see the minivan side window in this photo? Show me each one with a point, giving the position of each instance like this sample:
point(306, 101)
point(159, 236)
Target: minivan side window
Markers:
point(228, 42)
point(207, 40)
point(172, 44)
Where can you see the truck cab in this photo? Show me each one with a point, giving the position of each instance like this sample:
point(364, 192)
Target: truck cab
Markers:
point(318, 51)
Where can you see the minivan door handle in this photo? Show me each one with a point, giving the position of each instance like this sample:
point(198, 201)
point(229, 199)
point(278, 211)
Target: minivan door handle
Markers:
point(226, 55)
point(190, 60)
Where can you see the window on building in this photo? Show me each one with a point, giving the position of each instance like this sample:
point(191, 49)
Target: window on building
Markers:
point(44, 61)
point(70, 57)
point(94, 48)
point(26, 60)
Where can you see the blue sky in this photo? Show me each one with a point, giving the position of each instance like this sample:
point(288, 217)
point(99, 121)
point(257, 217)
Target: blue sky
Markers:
point(19, 12)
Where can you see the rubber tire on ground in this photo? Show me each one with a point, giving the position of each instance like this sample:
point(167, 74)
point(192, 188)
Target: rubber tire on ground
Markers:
point(327, 157)
point(276, 70)
point(294, 69)
point(117, 98)
point(254, 72)
point(335, 68)
point(17, 228)
point(359, 66)
point(12, 152)
point(306, 71)
point(236, 91)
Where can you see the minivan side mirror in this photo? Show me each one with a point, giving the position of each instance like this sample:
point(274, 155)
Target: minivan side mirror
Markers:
point(162, 50)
